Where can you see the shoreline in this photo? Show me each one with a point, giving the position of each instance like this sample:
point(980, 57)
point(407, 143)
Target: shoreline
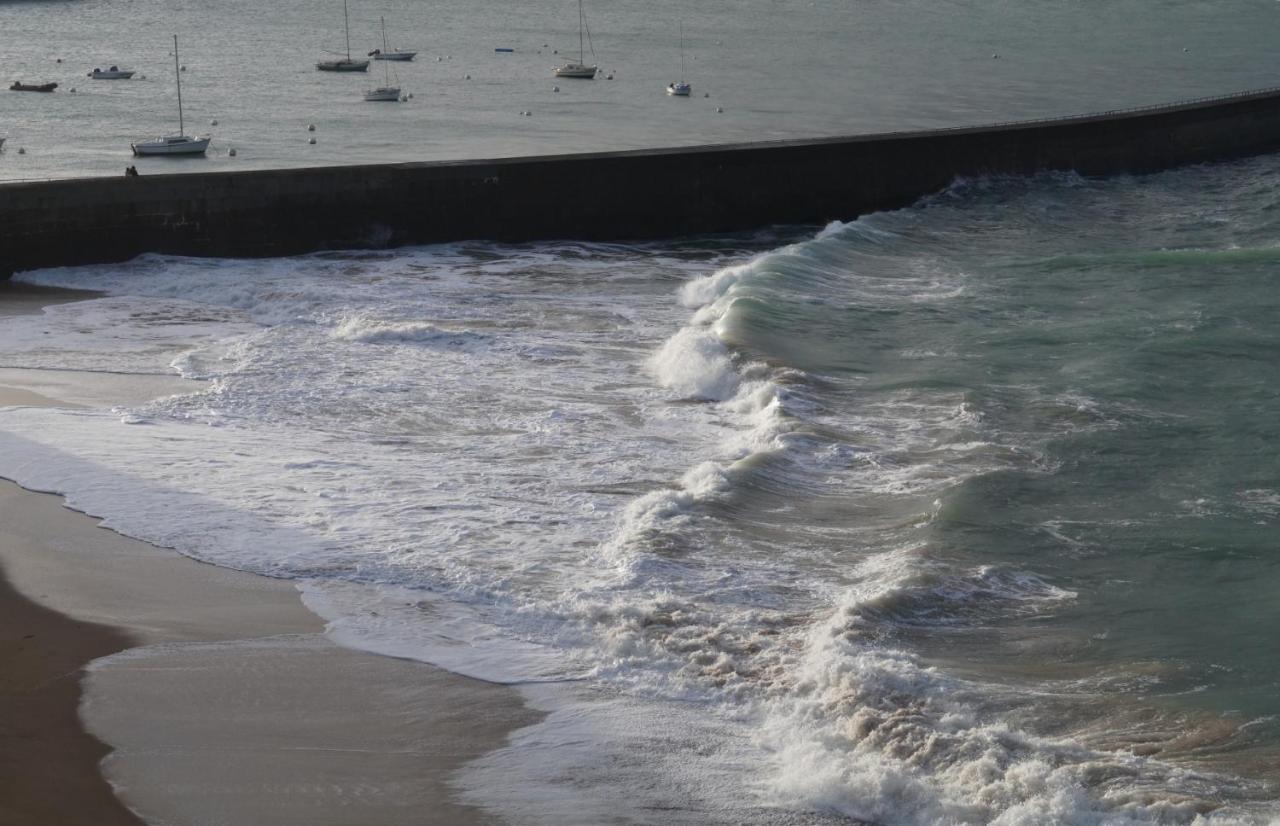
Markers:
point(144, 686)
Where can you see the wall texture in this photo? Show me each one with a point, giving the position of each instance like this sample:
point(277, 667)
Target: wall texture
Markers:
point(615, 195)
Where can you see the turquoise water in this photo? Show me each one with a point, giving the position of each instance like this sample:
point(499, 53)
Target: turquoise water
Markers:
point(962, 513)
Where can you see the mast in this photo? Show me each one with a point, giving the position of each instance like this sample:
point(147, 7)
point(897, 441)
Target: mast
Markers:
point(682, 51)
point(582, 56)
point(178, 76)
point(346, 26)
point(386, 72)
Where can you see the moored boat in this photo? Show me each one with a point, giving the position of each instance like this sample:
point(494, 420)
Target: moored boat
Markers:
point(19, 86)
point(386, 91)
point(114, 73)
point(181, 143)
point(344, 64)
point(393, 54)
point(579, 69)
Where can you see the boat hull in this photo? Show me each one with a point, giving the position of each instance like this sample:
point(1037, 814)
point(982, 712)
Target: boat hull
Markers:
point(388, 93)
point(343, 65)
point(171, 146)
point(576, 70)
point(33, 87)
point(117, 75)
point(394, 55)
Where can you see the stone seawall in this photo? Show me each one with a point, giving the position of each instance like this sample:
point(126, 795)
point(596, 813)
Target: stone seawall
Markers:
point(614, 195)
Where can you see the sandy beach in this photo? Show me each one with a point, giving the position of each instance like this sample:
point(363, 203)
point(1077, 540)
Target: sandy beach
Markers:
point(142, 686)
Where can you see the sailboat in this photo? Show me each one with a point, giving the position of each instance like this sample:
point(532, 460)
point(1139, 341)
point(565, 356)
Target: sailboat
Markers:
point(579, 69)
point(181, 143)
point(680, 88)
point(344, 64)
point(390, 54)
point(386, 91)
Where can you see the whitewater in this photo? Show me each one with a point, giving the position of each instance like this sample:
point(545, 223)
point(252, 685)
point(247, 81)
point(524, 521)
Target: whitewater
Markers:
point(889, 521)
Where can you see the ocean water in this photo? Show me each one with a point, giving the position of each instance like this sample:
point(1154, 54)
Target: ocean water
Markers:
point(964, 513)
point(777, 69)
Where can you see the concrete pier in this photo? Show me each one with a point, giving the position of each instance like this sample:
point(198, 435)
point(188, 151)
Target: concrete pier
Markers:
point(612, 195)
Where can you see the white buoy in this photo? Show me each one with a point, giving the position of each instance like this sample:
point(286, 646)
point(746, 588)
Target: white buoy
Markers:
point(555, 88)
point(411, 94)
point(311, 141)
point(311, 127)
point(1185, 49)
point(184, 67)
point(718, 109)
point(231, 152)
point(438, 59)
point(468, 77)
point(73, 90)
point(213, 122)
point(995, 56)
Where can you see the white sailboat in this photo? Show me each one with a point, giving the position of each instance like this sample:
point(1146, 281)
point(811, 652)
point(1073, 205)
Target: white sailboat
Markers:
point(579, 69)
point(344, 64)
point(181, 143)
point(386, 91)
point(680, 88)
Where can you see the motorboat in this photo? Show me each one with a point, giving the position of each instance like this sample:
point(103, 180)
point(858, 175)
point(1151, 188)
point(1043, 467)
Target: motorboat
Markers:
point(114, 73)
point(386, 91)
point(181, 143)
point(679, 89)
point(19, 86)
point(579, 69)
point(394, 54)
point(344, 64)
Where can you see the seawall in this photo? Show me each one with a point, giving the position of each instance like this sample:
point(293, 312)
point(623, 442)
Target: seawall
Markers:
point(612, 195)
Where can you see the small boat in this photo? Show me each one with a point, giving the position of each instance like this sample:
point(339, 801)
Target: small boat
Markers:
point(344, 64)
point(579, 69)
point(19, 86)
point(394, 54)
point(181, 143)
point(114, 73)
point(386, 91)
point(680, 88)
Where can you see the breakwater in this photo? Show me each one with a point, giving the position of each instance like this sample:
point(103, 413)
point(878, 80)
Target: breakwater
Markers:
point(598, 196)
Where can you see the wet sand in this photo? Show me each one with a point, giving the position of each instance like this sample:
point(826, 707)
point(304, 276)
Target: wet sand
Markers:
point(222, 701)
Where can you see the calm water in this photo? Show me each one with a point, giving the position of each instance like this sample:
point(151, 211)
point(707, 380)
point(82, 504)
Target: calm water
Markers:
point(778, 68)
point(964, 513)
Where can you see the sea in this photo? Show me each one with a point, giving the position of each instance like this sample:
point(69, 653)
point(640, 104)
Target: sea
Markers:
point(963, 513)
